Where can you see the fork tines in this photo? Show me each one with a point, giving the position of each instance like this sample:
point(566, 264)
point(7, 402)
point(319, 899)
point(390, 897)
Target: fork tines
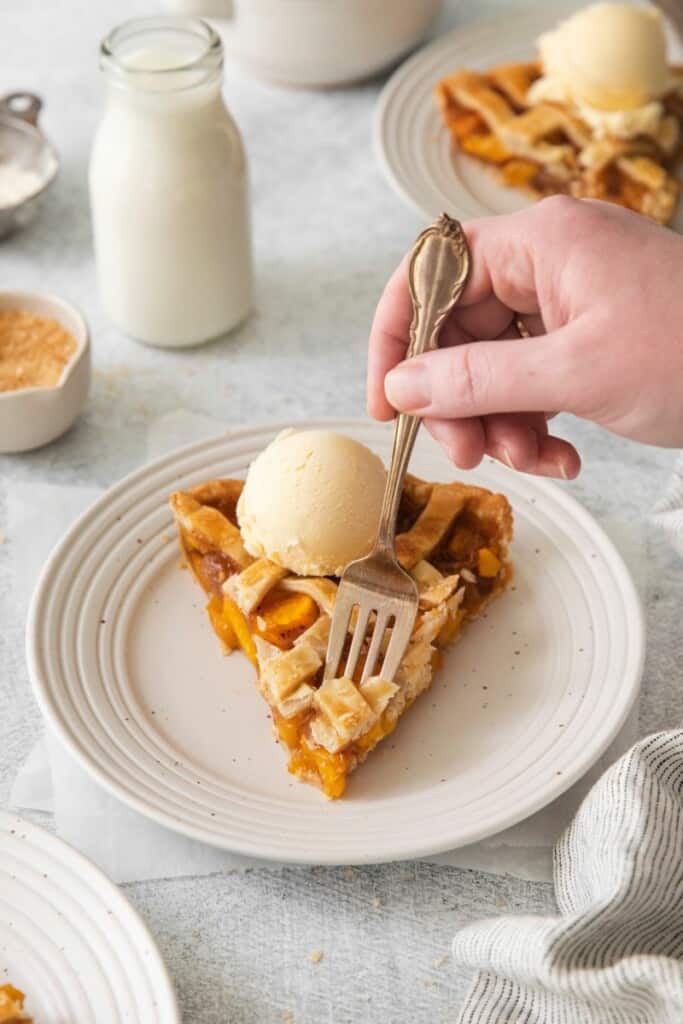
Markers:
point(368, 620)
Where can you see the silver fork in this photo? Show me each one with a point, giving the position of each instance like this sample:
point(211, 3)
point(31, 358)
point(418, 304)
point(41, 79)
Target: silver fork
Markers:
point(377, 585)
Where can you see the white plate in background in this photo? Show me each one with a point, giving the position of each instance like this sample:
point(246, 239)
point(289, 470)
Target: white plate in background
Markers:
point(414, 147)
point(130, 675)
point(70, 940)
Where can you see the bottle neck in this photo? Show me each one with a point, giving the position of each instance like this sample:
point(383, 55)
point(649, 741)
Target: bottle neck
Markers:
point(162, 64)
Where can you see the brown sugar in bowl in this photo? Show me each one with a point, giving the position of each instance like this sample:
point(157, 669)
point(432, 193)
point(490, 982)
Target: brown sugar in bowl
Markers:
point(56, 377)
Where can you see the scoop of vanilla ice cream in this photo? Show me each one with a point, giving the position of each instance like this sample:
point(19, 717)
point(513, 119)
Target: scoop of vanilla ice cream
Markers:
point(608, 56)
point(311, 502)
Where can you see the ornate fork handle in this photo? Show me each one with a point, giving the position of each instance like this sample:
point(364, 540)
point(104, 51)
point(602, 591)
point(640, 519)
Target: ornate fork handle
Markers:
point(437, 274)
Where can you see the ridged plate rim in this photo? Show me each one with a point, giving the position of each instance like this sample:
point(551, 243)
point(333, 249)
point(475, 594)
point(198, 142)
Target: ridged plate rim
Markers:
point(79, 920)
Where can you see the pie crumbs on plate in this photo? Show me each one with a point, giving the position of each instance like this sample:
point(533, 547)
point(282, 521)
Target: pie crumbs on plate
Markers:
point(598, 115)
point(452, 538)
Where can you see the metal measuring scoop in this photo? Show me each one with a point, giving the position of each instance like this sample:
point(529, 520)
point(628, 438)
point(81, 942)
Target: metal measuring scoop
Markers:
point(23, 145)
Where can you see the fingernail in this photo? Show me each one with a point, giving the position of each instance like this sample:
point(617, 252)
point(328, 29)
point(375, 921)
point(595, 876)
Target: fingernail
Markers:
point(507, 458)
point(501, 453)
point(563, 472)
point(407, 387)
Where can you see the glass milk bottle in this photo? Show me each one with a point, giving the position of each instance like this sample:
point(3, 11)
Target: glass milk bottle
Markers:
point(169, 186)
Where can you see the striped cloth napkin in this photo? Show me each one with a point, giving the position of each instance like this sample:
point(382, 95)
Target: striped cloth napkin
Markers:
point(614, 955)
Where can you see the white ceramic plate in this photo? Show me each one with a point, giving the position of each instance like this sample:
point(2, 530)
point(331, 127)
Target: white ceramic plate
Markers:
point(127, 670)
point(413, 145)
point(70, 940)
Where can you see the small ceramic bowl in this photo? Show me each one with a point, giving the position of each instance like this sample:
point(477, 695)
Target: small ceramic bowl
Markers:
point(32, 417)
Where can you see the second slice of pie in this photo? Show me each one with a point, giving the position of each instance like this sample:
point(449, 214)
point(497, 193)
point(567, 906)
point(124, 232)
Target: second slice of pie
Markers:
point(453, 539)
point(598, 116)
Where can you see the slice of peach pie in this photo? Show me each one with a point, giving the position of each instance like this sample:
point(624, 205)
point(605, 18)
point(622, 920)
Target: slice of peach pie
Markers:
point(452, 538)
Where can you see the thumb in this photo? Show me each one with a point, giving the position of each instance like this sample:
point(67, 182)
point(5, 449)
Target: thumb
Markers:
point(484, 377)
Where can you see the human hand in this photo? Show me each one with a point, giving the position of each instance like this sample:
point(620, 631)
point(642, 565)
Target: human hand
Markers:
point(601, 291)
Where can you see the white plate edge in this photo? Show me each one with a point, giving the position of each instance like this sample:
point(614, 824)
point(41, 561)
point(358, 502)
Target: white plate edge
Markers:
point(129, 918)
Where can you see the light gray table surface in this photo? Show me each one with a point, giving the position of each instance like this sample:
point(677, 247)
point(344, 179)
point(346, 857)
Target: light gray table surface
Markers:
point(328, 231)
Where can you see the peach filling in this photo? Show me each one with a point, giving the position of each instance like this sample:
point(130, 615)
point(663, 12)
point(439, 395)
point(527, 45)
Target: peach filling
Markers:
point(281, 618)
point(476, 138)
